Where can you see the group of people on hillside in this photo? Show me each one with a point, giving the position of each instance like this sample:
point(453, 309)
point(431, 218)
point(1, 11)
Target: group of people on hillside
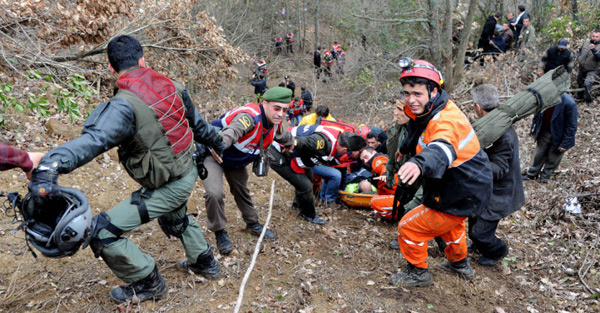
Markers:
point(289, 43)
point(516, 32)
point(323, 61)
point(430, 155)
point(164, 145)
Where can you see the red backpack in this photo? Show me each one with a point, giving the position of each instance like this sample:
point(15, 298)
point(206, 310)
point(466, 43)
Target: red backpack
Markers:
point(337, 124)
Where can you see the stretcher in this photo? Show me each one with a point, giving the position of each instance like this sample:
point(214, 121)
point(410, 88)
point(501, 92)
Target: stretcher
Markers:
point(357, 200)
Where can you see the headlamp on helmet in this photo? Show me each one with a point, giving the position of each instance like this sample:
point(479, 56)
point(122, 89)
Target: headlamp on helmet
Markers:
point(420, 68)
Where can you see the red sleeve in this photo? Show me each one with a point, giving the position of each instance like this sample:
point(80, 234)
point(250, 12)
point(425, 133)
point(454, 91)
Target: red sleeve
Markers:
point(12, 157)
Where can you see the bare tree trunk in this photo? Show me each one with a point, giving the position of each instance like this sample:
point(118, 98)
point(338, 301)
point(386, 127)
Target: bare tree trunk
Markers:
point(304, 27)
point(464, 41)
point(287, 16)
point(447, 48)
point(574, 10)
point(298, 7)
point(434, 31)
point(317, 4)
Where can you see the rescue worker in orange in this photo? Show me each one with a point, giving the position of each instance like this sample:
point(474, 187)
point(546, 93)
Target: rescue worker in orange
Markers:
point(376, 162)
point(455, 172)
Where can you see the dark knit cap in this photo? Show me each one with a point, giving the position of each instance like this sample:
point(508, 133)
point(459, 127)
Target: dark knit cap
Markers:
point(278, 94)
point(352, 141)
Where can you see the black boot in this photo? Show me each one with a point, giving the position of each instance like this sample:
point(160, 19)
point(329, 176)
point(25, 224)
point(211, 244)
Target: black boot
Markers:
point(223, 242)
point(394, 245)
point(462, 268)
point(412, 276)
point(256, 228)
point(440, 243)
point(151, 287)
point(205, 265)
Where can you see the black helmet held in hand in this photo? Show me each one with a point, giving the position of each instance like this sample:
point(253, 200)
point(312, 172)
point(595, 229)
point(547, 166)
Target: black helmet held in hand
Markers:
point(57, 226)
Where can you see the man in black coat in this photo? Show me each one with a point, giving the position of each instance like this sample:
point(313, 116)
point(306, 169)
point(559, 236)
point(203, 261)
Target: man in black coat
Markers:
point(317, 61)
point(556, 56)
point(488, 31)
point(307, 98)
point(507, 195)
point(260, 86)
point(518, 23)
point(290, 85)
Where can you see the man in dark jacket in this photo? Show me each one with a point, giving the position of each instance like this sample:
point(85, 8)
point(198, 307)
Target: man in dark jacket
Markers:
point(132, 120)
point(518, 23)
point(456, 175)
point(508, 195)
point(290, 85)
point(556, 56)
point(306, 96)
point(260, 86)
point(554, 131)
point(589, 66)
point(507, 35)
point(314, 145)
point(488, 31)
point(317, 61)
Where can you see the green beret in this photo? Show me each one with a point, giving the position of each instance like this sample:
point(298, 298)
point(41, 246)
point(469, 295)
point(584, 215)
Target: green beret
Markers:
point(278, 94)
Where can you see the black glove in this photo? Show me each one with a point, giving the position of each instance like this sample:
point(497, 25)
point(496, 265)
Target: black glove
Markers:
point(219, 148)
point(44, 182)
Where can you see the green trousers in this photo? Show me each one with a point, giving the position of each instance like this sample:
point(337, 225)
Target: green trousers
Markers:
point(126, 259)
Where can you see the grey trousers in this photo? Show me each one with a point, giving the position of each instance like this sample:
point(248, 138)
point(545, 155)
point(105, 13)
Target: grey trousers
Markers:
point(585, 79)
point(545, 157)
point(215, 196)
point(124, 257)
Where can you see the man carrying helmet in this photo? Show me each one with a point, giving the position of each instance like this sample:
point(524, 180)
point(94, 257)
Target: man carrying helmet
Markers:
point(455, 173)
point(154, 123)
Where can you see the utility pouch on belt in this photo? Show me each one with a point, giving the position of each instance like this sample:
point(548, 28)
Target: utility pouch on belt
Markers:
point(199, 156)
point(260, 167)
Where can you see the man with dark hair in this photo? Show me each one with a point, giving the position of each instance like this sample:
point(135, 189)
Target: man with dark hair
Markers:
point(507, 195)
point(526, 37)
point(507, 35)
point(307, 98)
point(589, 66)
point(488, 32)
point(554, 132)
point(510, 18)
point(244, 129)
point(377, 141)
point(317, 61)
point(156, 151)
point(322, 112)
point(314, 145)
point(290, 85)
point(518, 23)
point(455, 173)
point(260, 85)
point(556, 56)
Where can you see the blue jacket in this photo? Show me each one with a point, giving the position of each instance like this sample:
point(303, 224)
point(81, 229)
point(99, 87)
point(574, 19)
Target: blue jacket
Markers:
point(564, 123)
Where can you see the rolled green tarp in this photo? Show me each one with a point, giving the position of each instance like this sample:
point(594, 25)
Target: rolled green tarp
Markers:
point(538, 96)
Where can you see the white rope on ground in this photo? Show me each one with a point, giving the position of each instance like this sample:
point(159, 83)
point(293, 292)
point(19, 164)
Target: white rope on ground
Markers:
point(255, 255)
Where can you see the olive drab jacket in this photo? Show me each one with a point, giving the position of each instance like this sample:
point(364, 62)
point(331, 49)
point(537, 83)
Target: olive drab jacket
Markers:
point(151, 155)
